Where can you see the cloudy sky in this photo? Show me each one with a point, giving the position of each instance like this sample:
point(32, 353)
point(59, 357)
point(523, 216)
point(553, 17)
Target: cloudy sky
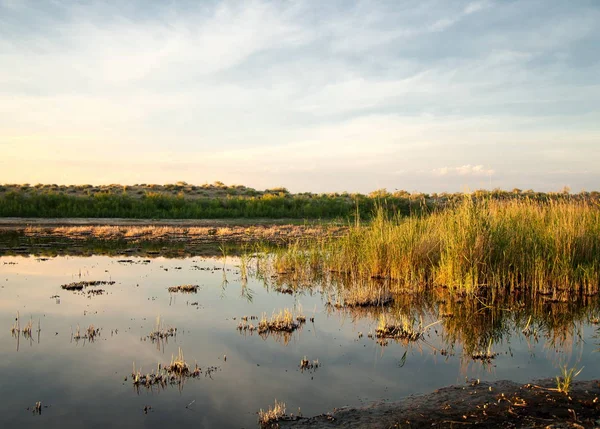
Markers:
point(312, 95)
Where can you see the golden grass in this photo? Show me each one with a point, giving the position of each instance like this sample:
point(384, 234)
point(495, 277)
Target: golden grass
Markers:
point(563, 384)
point(279, 322)
point(160, 332)
point(272, 415)
point(184, 288)
point(517, 244)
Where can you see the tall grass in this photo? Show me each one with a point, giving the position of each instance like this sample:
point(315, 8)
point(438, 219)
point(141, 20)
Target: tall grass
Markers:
point(547, 247)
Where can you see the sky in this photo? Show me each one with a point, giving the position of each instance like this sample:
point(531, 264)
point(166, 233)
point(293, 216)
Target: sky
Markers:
point(322, 96)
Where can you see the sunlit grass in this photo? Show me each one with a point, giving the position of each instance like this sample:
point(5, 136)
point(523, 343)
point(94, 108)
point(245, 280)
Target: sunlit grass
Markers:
point(544, 247)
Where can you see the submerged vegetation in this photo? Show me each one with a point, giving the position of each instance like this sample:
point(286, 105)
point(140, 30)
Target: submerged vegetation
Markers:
point(551, 248)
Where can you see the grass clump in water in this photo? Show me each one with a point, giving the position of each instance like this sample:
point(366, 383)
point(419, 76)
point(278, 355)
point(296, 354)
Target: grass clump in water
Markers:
point(402, 329)
point(160, 332)
point(89, 334)
point(272, 415)
point(184, 288)
point(307, 365)
point(83, 284)
point(175, 373)
point(280, 322)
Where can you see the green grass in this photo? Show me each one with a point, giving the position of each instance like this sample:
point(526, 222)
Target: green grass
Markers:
point(185, 201)
point(546, 247)
point(563, 384)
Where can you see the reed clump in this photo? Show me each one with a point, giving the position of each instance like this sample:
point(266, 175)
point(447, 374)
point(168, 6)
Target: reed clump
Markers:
point(401, 329)
point(160, 332)
point(174, 373)
point(272, 415)
point(363, 295)
point(83, 284)
point(89, 334)
point(543, 246)
point(280, 322)
point(184, 288)
point(307, 365)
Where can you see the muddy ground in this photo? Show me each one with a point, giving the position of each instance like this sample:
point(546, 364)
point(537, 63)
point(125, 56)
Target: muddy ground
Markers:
point(501, 404)
point(191, 231)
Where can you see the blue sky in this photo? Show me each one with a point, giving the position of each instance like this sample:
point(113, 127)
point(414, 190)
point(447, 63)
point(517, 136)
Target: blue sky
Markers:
point(312, 95)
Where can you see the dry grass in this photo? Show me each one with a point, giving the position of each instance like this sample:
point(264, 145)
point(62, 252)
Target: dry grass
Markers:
point(516, 244)
point(175, 373)
point(160, 332)
point(89, 334)
point(401, 329)
point(272, 415)
point(279, 322)
point(184, 288)
point(240, 233)
point(83, 284)
point(307, 365)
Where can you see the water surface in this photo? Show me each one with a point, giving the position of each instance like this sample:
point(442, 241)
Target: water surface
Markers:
point(82, 383)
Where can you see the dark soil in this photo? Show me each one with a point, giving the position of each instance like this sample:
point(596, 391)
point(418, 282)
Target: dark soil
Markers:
point(502, 404)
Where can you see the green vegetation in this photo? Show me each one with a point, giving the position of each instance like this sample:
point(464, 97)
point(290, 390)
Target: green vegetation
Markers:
point(552, 248)
point(184, 201)
point(563, 384)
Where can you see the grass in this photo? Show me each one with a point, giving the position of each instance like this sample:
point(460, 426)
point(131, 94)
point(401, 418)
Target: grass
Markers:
point(307, 365)
point(160, 332)
point(84, 284)
point(517, 244)
point(563, 384)
point(272, 415)
point(176, 372)
point(401, 329)
point(184, 288)
point(184, 201)
point(89, 334)
point(280, 322)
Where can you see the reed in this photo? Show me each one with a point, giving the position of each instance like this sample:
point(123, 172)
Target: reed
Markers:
point(184, 288)
point(547, 247)
point(563, 384)
point(272, 415)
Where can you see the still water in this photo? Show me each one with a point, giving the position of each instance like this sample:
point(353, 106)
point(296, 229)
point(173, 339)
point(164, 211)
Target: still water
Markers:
point(83, 383)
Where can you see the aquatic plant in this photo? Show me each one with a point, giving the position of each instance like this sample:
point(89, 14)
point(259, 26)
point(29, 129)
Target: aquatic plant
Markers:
point(279, 322)
point(160, 332)
point(184, 288)
point(307, 365)
point(563, 382)
point(549, 247)
point(401, 329)
point(272, 415)
point(84, 284)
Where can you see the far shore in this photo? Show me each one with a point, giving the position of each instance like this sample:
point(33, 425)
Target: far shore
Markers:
point(190, 230)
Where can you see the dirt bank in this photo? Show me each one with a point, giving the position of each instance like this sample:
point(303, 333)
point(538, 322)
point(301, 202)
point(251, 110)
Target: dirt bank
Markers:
point(502, 404)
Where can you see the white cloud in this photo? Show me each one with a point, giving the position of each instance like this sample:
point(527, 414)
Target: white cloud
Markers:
point(464, 170)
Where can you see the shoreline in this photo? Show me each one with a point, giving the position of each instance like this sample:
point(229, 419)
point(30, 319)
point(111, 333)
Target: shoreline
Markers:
point(193, 231)
point(474, 405)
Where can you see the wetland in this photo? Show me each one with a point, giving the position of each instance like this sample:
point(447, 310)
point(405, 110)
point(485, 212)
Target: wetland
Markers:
point(213, 332)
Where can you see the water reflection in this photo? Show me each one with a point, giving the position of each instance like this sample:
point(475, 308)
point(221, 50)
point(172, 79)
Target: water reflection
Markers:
point(532, 336)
